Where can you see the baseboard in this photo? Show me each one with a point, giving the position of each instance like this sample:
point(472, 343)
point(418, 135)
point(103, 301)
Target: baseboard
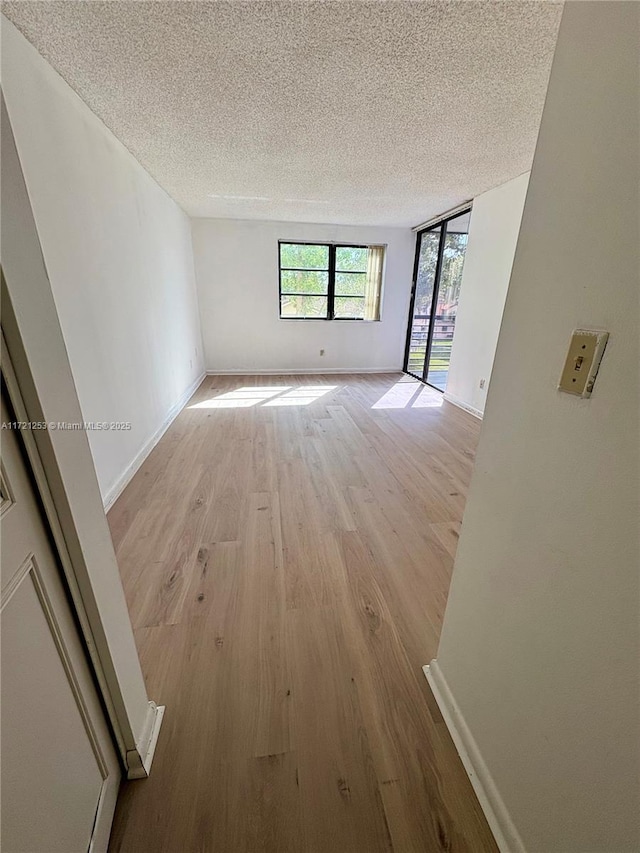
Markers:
point(491, 803)
point(462, 405)
point(293, 371)
point(139, 760)
point(116, 490)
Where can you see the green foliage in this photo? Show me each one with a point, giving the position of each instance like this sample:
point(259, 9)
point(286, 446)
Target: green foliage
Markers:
point(455, 246)
point(351, 259)
point(304, 306)
point(304, 281)
point(451, 277)
point(345, 307)
point(350, 284)
point(440, 356)
point(426, 271)
point(301, 256)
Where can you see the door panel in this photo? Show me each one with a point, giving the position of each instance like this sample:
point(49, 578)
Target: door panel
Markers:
point(438, 275)
point(60, 773)
point(449, 281)
point(47, 803)
point(423, 300)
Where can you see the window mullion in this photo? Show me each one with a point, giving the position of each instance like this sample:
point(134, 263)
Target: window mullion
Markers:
point(332, 282)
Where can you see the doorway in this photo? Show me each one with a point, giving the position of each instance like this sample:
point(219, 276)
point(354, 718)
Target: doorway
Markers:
point(440, 253)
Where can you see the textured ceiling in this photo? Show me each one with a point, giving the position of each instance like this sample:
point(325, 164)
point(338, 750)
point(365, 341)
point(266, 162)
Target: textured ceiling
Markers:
point(346, 112)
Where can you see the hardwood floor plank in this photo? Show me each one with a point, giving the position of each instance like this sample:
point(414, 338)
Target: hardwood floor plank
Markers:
point(404, 739)
point(448, 533)
point(286, 566)
point(308, 540)
point(264, 588)
point(326, 485)
point(271, 803)
point(340, 803)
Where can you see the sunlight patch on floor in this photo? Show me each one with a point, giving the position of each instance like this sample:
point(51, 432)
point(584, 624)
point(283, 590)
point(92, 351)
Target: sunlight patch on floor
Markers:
point(428, 398)
point(398, 395)
point(302, 396)
point(241, 398)
point(401, 395)
point(276, 395)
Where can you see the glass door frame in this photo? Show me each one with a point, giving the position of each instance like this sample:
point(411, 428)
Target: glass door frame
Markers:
point(439, 223)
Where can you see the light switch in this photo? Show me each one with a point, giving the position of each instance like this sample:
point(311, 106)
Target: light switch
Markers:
point(583, 360)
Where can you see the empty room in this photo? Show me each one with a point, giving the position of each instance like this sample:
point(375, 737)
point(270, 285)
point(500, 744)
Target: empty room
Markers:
point(320, 486)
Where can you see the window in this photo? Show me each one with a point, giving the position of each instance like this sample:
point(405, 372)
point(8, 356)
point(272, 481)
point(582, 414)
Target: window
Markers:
point(440, 253)
point(328, 281)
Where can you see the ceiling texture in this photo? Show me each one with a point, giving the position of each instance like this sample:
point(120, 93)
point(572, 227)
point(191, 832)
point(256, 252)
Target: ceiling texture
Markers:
point(373, 113)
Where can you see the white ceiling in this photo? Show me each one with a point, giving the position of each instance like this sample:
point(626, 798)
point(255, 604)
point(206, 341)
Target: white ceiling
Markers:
point(345, 112)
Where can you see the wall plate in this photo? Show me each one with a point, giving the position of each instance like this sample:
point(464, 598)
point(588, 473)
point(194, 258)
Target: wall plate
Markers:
point(583, 360)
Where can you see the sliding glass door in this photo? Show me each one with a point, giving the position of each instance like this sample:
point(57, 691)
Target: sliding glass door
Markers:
point(425, 279)
point(440, 252)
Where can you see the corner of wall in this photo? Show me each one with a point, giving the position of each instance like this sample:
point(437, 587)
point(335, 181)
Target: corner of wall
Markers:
point(492, 804)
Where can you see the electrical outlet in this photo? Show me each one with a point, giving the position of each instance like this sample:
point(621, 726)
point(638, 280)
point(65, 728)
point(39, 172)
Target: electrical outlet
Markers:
point(583, 360)
point(483, 382)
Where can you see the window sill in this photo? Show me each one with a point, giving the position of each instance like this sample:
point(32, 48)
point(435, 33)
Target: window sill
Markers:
point(335, 320)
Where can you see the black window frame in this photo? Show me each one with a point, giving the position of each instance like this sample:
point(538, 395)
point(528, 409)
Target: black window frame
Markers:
point(439, 223)
point(331, 281)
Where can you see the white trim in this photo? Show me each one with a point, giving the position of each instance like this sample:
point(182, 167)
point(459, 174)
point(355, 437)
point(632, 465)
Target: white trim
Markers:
point(139, 760)
point(51, 513)
point(132, 469)
point(491, 803)
point(101, 826)
point(294, 371)
point(477, 413)
point(109, 791)
point(67, 664)
point(461, 208)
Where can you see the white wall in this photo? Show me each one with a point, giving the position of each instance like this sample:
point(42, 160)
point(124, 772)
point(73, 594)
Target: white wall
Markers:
point(493, 232)
point(31, 325)
point(237, 273)
point(118, 252)
point(540, 644)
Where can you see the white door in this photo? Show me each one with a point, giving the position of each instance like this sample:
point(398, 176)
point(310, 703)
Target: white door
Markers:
point(59, 772)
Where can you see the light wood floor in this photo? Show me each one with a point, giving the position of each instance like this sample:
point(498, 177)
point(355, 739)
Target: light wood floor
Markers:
point(286, 560)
